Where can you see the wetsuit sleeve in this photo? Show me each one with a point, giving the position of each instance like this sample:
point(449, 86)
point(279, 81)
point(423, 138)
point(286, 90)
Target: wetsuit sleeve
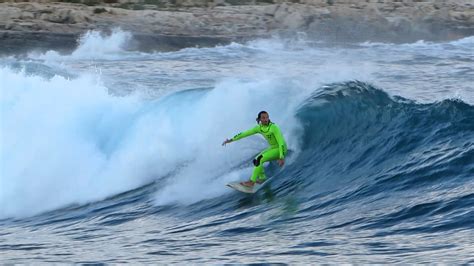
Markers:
point(279, 139)
point(245, 134)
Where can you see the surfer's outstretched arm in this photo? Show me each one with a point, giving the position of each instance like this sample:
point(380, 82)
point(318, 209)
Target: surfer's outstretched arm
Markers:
point(242, 135)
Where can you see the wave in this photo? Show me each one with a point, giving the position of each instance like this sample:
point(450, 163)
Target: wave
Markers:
point(360, 148)
point(95, 45)
point(352, 142)
point(384, 160)
point(69, 141)
point(366, 161)
point(64, 141)
point(354, 126)
point(463, 42)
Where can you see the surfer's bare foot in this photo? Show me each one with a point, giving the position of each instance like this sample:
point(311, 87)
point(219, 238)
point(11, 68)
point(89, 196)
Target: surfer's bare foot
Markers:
point(247, 184)
point(260, 181)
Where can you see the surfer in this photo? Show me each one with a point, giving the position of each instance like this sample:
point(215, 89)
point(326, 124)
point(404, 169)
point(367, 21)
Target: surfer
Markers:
point(277, 150)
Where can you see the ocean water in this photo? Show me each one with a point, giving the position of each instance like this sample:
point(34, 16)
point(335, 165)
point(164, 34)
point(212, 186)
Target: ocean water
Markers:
point(112, 156)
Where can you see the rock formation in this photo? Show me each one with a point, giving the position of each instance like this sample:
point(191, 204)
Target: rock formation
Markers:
point(178, 23)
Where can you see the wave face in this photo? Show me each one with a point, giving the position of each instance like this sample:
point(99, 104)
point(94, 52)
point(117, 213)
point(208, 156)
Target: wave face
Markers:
point(414, 161)
point(120, 160)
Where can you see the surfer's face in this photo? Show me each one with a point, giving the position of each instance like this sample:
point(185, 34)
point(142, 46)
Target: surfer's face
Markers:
point(264, 119)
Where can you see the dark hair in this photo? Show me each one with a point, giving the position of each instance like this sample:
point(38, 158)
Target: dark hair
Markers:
point(260, 115)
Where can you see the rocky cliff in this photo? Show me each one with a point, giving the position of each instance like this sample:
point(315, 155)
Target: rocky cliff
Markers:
point(179, 23)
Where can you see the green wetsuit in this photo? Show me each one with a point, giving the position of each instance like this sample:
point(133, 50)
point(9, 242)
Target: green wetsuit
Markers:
point(277, 149)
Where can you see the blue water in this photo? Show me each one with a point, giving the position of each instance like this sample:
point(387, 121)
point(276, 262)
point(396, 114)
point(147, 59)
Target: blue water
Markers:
point(114, 156)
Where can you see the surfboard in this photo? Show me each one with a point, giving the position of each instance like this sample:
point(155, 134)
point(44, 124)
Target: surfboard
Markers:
point(250, 190)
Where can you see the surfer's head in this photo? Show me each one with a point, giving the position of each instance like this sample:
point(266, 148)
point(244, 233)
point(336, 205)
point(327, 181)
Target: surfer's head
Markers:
point(263, 118)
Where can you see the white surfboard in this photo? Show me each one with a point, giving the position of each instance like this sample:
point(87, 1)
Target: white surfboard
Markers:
point(250, 190)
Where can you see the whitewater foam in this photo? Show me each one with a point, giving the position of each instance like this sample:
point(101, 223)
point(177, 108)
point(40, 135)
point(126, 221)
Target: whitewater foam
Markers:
point(218, 114)
point(95, 45)
point(67, 141)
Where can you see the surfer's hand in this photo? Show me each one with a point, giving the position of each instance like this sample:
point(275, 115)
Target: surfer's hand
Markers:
point(281, 162)
point(226, 141)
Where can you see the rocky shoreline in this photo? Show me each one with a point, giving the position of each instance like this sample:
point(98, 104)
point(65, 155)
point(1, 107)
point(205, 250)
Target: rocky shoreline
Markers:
point(54, 25)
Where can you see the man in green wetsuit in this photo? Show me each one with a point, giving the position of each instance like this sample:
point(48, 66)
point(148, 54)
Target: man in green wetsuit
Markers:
point(276, 151)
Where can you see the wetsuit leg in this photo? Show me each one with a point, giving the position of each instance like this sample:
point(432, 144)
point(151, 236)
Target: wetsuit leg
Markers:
point(265, 156)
